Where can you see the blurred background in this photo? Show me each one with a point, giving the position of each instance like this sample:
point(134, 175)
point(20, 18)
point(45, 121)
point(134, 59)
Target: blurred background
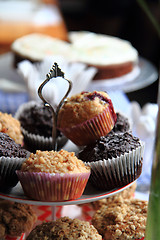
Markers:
point(124, 19)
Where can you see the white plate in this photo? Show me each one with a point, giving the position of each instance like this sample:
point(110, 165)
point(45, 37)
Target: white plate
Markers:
point(90, 194)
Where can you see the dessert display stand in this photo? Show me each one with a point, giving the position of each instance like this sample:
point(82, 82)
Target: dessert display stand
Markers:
point(90, 194)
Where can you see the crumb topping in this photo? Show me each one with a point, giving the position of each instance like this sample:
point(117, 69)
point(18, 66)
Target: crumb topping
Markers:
point(122, 220)
point(9, 148)
point(54, 162)
point(84, 106)
point(65, 228)
point(15, 218)
point(11, 127)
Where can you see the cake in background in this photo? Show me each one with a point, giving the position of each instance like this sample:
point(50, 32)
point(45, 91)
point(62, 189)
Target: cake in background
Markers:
point(65, 228)
point(112, 57)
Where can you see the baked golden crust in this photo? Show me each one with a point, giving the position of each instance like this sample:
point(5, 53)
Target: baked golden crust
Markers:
point(65, 228)
point(15, 218)
point(82, 107)
point(54, 162)
point(122, 220)
point(11, 127)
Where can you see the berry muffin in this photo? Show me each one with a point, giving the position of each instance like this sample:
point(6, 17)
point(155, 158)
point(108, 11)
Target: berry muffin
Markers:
point(53, 176)
point(65, 228)
point(12, 155)
point(11, 127)
point(122, 220)
point(115, 160)
point(86, 116)
point(15, 219)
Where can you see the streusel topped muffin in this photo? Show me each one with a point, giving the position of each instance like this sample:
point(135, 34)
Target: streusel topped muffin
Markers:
point(65, 228)
point(122, 220)
point(53, 176)
point(11, 126)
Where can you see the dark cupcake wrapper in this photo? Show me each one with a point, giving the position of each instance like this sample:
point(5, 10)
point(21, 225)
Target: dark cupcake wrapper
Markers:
point(8, 167)
point(53, 187)
point(117, 172)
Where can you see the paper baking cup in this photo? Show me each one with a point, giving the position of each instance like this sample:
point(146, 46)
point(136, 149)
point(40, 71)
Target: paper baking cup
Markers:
point(35, 142)
point(22, 237)
point(91, 130)
point(117, 172)
point(53, 187)
point(8, 176)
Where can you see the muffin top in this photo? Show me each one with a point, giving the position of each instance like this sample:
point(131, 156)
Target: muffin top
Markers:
point(122, 220)
point(15, 218)
point(37, 119)
point(122, 124)
point(54, 162)
point(112, 145)
point(84, 106)
point(11, 127)
point(9, 148)
point(65, 228)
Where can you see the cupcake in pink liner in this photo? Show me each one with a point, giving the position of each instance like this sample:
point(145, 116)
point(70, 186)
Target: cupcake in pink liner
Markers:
point(115, 160)
point(124, 220)
point(12, 155)
point(36, 124)
point(53, 176)
point(86, 116)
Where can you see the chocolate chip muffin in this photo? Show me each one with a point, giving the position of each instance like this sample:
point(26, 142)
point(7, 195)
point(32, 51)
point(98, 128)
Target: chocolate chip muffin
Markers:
point(115, 160)
point(122, 220)
point(37, 123)
point(15, 218)
point(65, 228)
point(122, 123)
point(12, 156)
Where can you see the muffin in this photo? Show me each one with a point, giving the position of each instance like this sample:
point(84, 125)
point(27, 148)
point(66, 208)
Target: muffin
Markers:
point(36, 123)
point(11, 127)
point(127, 193)
point(86, 116)
point(15, 219)
point(115, 160)
point(65, 228)
point(122, 123)
point(12, 156)
point(53, 176)
point(122, 220)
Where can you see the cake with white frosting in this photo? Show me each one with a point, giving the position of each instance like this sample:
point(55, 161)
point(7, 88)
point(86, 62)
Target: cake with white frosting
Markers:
point(112, 56)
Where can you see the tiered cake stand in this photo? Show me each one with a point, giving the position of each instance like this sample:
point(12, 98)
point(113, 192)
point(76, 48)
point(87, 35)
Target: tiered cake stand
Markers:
point(90, 194)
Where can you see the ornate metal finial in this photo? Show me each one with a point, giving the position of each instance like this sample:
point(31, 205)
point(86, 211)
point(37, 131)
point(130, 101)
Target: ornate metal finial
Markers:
point(55, 71)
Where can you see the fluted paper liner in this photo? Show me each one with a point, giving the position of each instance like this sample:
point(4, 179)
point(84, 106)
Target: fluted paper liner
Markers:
point(8, 167)
point(35, 141)
point(90, 130)
point(53, 187)
point(117, 172)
